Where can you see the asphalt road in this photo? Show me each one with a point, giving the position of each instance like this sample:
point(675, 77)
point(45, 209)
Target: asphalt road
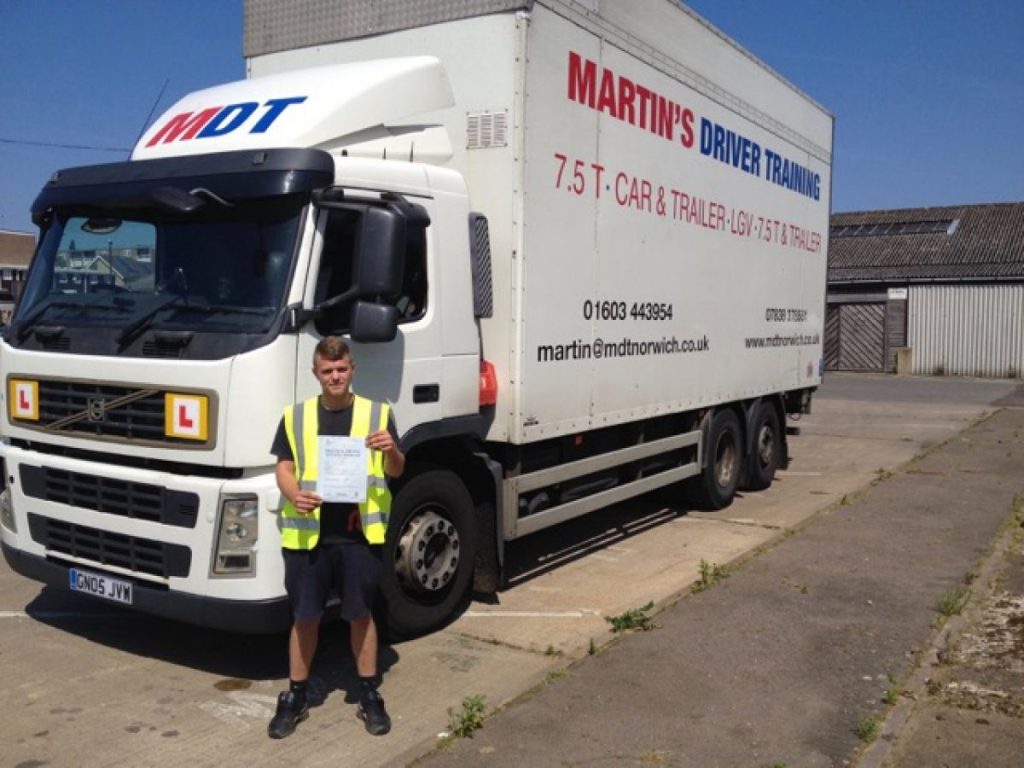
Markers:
point(796, 657)
point(88, 684)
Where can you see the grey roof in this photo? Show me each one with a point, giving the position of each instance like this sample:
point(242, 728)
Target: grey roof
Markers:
point(954, 243)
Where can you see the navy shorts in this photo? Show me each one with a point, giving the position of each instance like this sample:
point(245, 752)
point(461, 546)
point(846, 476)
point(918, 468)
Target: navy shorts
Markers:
point(352, 570)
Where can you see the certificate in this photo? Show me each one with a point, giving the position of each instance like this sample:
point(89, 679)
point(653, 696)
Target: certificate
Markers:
point(341, 469)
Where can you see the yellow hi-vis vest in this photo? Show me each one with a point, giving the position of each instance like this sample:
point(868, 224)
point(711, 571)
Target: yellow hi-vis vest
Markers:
point(301, 425)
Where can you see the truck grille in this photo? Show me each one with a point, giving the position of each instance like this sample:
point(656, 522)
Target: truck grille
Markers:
point(65, 406)
point(139, 501)
point(106, 411)
point(106, 548)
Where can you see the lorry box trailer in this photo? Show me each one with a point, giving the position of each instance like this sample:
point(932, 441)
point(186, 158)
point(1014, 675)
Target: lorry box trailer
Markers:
point(580, 247)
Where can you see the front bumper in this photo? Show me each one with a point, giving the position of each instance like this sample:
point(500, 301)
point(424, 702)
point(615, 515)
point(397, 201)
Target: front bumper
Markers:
point(248, 617)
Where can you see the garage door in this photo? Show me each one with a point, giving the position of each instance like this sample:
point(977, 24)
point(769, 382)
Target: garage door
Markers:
point(855, 337)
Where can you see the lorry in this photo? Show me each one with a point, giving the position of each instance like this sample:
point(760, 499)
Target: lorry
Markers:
point(579, 245)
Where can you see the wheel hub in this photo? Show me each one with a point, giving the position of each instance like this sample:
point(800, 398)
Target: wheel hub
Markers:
point(765, 445)
point(427, 555)
point(725, 462)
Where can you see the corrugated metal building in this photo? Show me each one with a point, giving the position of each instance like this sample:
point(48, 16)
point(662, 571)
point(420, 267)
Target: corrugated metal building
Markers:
point(932, 291)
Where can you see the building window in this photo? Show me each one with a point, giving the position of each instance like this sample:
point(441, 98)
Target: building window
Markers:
point(889, 229)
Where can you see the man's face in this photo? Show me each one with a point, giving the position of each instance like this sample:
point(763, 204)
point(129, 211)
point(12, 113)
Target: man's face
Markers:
point(334, 376)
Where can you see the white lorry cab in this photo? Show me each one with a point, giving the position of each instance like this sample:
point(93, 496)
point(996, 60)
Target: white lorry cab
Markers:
point(580, 247)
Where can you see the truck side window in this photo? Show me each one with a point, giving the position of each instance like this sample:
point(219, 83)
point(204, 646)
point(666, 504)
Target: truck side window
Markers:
point(336, 272)
point(412, 301)
point(336, 269)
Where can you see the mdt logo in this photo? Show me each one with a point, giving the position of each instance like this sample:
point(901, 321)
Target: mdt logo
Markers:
point(220, 121)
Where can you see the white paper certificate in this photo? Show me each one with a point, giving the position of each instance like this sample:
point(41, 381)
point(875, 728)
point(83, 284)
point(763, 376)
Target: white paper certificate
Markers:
point(341, 469)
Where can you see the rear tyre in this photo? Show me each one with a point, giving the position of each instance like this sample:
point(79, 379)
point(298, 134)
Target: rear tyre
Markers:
point(716, 486)
point(428, 555)
point(766, 450)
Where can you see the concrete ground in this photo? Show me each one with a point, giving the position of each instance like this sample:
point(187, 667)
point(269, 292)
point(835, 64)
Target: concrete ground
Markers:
point(88, 684)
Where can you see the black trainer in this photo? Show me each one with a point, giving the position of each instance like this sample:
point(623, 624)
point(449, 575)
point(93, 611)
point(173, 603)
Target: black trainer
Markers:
point(291, 710)
point(371, 711)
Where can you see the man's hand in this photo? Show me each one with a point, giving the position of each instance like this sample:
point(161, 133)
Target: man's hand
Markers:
point(303, 501)
point(394, 459)
point(381, 440)
point(306, 501)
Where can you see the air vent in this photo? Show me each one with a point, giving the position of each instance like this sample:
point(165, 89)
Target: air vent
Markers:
point(486, 129)
point(161, 349)
point(138, 501)
point(480, 253)
point(108, 548)
point(58, 344)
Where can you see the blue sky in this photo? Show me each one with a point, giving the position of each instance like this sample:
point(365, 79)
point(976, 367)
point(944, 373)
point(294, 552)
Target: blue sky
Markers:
point(928, 94)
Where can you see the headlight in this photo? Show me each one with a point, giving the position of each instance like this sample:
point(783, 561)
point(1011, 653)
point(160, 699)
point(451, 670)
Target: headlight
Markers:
point(7, 511)
point(237, 535)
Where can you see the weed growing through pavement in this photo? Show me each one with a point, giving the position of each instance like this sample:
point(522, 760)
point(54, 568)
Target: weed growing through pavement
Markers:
point(710, 574)
point(953, 601)
point(867, 728)
point(654, 757)
point(552, 651)
point(470, 718)
point(592, 649)
point(634, 618)
point(556, 674)
point(893, 692)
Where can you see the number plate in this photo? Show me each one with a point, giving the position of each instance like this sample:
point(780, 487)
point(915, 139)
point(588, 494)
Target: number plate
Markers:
point(100, 586)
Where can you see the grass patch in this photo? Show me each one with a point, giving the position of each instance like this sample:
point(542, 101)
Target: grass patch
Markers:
point(953, 601)
point(867, 729)
point(470, 718)
point(634, 618)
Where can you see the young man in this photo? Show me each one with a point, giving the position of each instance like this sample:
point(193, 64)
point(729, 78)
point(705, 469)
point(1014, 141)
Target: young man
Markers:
point(333, 545)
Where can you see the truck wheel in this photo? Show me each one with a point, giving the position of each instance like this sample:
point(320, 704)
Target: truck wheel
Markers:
point(766, 450)
point(715, 487)
point(429, 553)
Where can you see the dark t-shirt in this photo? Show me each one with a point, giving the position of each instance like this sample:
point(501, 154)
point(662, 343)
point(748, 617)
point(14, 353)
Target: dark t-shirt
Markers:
point(338, 522)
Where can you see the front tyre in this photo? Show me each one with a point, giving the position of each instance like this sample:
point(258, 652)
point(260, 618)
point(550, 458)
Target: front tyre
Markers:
point(429, 553)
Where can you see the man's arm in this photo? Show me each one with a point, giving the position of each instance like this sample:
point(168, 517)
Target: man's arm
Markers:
point(288, 483)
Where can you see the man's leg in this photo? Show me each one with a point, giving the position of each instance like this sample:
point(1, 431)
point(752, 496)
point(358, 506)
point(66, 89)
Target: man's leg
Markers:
point(293, 704)
point(306, 579)
point(363, 634)
point(302, 648)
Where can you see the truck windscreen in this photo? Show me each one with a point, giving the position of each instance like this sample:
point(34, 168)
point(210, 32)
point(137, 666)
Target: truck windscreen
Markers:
point(121, 274)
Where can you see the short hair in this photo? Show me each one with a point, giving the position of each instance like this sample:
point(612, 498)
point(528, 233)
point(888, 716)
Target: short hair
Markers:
point(331, 348)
